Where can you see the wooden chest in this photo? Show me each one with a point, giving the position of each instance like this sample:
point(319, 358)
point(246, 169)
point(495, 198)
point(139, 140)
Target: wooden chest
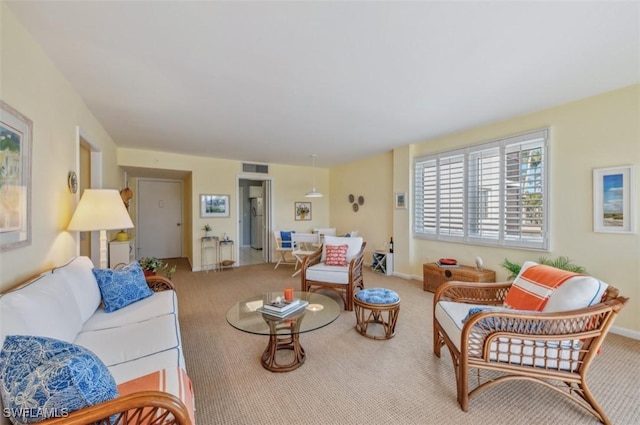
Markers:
point(435, 276)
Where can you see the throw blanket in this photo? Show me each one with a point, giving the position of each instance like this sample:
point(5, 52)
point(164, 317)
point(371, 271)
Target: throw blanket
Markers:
point(172, 381)
point(533, 287)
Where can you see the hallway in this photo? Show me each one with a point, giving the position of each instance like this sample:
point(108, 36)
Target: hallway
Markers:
point(250, 256)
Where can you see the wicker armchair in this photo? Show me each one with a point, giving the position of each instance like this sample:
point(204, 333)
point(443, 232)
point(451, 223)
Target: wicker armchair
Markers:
point(315, 275)
point(528, 345)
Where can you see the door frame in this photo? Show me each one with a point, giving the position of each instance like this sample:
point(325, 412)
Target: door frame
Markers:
point(267, 248)
point(137, 198)
point(95, 182)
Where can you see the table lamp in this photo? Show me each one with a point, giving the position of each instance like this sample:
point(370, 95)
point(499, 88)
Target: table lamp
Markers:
point(100, 209)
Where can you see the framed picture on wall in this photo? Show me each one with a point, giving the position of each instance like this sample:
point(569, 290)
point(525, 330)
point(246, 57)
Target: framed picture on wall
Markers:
point(613, 202)
point(212, 206)
point(303, 211)
point(15, 178)
point(400, 200)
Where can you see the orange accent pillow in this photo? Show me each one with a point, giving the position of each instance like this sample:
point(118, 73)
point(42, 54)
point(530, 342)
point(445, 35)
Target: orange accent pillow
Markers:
point(533, 287)
point(336, 255)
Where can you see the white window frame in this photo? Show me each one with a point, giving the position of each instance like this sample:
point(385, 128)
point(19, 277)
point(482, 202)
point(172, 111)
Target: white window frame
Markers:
point(484, 216)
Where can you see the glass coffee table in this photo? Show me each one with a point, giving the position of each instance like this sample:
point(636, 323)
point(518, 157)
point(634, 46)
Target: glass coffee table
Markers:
point(284, 333)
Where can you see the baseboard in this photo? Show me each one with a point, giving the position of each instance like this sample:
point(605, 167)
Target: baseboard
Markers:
point(629, 333)
point(405, 276)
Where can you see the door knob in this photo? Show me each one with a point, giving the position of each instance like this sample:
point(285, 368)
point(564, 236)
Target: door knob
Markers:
point(178, 224)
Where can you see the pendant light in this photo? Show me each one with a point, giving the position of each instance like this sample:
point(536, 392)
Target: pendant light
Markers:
point(313, 193)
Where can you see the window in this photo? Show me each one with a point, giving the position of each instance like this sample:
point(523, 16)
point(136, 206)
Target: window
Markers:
point(494, 193)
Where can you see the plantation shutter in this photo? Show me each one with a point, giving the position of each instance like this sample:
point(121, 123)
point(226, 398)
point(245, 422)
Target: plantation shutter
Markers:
point(494, 193)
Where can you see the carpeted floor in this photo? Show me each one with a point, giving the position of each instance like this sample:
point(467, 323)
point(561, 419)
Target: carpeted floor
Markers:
point(350, 379)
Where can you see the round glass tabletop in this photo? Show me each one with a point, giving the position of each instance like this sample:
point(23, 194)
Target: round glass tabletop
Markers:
point(246, 315)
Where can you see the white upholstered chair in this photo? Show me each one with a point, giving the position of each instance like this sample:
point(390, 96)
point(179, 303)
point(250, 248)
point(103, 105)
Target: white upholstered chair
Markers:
point(318, 273)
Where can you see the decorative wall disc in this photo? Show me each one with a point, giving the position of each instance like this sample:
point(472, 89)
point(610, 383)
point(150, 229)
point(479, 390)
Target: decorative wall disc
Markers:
point(351, 198)
point(360, 199)
point(355, 207)
point(72, 181)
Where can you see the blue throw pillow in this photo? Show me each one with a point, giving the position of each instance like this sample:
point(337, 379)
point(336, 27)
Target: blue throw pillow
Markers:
point(122, 287)
point(286, 238)
point(42, 378)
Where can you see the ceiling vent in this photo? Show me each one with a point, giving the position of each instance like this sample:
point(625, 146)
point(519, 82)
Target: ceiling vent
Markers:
point(255, 168)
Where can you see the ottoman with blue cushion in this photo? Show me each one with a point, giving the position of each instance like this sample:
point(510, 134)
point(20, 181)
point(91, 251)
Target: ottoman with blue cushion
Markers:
point(371, 305)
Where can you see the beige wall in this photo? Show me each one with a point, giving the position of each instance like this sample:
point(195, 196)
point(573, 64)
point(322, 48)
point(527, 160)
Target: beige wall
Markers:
point(31, 84)
point(220, 176)
point(371, 178)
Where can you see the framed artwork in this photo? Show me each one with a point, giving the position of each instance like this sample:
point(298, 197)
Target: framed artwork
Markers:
point(613, 203)
point(303, 211)
point(212, 206)
point(400, 200)
point(15, 178)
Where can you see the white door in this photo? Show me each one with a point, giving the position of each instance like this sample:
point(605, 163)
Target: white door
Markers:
point(159, 217)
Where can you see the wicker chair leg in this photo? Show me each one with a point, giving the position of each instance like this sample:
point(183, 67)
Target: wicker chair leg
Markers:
point(437, 342)
point(589, 398)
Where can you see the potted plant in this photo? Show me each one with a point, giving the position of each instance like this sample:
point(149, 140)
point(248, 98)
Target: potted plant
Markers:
point(151, 265)
point(562, 263)
point(207, 230)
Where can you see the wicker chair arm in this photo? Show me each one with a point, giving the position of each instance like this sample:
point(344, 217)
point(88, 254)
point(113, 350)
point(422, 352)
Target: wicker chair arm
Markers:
point(355, 265)
point(132, 409)
point(474, 293)
point(312, 259)
point(159, 283)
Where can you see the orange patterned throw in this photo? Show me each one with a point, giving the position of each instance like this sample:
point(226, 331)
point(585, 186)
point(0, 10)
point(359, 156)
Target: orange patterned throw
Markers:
point(533, 287)
point(336, 255)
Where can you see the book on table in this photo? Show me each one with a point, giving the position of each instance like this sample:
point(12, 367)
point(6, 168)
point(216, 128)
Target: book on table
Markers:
point(282, 306)
point(300, 305)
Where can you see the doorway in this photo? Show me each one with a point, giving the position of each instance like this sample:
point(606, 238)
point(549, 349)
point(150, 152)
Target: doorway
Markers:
point(254, 221)
point(159, 218)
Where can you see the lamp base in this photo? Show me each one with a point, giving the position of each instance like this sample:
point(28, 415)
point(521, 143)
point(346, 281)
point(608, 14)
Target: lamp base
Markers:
point(123, 236)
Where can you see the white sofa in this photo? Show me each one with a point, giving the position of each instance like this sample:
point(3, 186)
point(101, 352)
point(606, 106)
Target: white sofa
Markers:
point(139, 339)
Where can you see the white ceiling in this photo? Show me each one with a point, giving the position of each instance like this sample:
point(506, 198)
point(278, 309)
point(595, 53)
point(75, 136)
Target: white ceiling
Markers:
point(275, 82)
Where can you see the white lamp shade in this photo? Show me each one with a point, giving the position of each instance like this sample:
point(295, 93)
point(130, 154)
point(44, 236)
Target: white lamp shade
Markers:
point(313, 194)
point(100, 209)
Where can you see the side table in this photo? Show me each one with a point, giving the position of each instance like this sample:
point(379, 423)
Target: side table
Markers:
point(209, 253)
point(228, 262)
point(435, 275)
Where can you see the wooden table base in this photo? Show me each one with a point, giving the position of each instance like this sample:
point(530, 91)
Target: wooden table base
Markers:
point(276, 343)
point(289, 340)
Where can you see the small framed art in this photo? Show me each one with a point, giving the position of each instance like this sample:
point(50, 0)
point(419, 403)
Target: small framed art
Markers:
point(15, 178)
point(400, 200)
point(613, 202)
point(212, 206)
point(303, 211)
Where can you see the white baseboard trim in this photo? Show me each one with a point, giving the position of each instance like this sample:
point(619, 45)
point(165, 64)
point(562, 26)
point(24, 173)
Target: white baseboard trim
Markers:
point(404, 276)
point(629, 333)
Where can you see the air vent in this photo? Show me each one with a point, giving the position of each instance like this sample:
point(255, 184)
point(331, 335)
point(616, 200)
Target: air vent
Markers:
point(255, 168)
